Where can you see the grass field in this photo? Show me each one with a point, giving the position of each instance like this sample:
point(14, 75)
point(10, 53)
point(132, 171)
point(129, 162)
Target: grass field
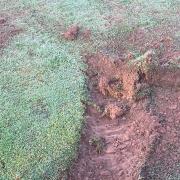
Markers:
point(42, 84)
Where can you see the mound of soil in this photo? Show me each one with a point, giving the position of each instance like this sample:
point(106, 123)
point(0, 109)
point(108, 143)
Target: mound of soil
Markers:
point(122, 79)
point(71, 33)
point(127, 115)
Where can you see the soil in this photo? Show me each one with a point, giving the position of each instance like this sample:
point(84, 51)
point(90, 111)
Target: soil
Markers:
point(72, 33)
point(161, 39)
point(164, 162)
point(134, 130)
point(7, 31)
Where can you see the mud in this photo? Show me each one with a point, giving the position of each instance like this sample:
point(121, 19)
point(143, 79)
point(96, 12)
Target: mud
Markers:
point(163, 162)
point(132, 128)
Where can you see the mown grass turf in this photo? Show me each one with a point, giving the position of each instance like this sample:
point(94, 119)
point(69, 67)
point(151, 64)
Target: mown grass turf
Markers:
point(41, 79)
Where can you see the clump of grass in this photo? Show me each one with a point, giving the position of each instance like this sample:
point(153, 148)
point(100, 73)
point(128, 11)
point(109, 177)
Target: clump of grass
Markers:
point(95, 106)
point(98, 143)
point(119, 87)
point(142, 93)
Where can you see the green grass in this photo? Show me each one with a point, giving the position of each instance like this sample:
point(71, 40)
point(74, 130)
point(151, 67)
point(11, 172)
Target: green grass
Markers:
point(41, 79)
point(41, 112)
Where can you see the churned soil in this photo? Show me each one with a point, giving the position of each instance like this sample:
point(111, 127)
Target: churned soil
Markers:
point(163, 162)
point(132, 118)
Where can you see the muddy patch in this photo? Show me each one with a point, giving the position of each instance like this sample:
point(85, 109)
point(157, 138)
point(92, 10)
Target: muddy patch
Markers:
point(163, 162)
point(124, 133)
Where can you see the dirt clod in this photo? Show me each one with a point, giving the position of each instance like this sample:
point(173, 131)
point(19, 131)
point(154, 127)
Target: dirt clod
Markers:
point(72, 33)
point(113, 110)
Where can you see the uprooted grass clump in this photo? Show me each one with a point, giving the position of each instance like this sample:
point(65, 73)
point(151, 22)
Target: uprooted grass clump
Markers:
point(131, 79)
point(97, 107)
point(98, 143)
point(142, 93)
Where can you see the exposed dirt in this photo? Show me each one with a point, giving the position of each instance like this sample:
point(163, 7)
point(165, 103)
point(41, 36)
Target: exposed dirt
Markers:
point(164, 161)
point(115, 110)
point(74, 32)
point(7, 31)
point(71, 33)
point(133, 121)
point(131, 128)
point(161, 39)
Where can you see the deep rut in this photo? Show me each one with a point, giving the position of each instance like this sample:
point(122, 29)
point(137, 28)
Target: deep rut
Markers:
point(114, 149)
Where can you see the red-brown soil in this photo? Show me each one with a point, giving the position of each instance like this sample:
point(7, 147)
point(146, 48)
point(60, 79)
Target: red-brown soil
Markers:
point(161, 39)
point(74, 31)
point(164, 162)
point(71, 33)
point(7, 31)
point(133, 129)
